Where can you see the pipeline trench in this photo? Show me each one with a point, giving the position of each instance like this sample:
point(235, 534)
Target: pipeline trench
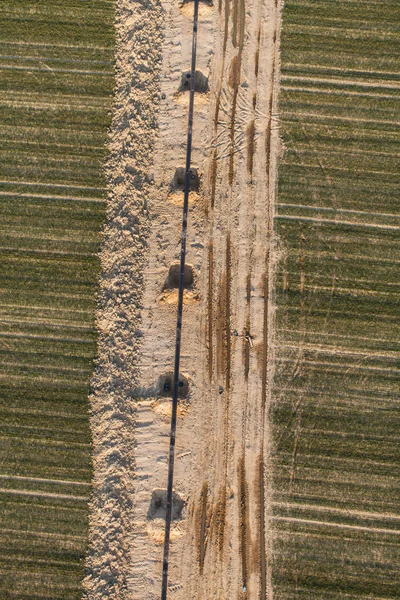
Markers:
point(220, 545)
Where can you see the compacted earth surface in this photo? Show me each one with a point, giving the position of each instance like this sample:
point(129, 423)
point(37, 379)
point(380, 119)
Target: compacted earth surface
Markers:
point(221, 535)
point(285, 470)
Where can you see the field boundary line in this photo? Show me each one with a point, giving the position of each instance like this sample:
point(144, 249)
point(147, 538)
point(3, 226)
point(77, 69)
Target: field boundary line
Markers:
point(338, 511)
point(49, 59)
point(380, 530)
point(50, 197)
point(337, 222)
point(328, 69)
point(33, 336)
point(325, 118)
point(331, 92)
point(55, 185)
point(45, 45)
point(44, 495)
point(339, 210)
point(341, 82)
point(50, 70)
point(43, 534)
point(44, 480)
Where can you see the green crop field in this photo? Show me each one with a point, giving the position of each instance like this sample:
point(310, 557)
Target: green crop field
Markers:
point(57, 79)
point(336, 410)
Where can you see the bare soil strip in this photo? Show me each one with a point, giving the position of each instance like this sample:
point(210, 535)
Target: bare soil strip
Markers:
point(182, 268)
point(126, 236)
point(221, 538)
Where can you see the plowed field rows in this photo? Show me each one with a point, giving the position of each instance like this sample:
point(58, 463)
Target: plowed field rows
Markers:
point(336, 412)
point(56, 62)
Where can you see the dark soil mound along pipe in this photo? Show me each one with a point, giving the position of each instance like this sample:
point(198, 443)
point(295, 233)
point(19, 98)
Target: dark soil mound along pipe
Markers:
point(206, 2)
point(173, 277)
point(200, 82)
point(158, 505)
point(178, 182)
point(166, 385)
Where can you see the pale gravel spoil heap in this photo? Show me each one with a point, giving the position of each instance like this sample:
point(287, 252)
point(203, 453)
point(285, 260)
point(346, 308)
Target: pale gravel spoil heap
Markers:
point(132, 139)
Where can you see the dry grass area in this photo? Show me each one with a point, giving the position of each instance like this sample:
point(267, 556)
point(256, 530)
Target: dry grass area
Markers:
point(336, 413)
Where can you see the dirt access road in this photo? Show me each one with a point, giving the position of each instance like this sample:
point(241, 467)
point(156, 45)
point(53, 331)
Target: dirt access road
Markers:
point(220, 540)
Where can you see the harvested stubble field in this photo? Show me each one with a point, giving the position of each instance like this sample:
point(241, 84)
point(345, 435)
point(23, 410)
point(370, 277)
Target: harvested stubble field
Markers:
point(56, 84)
point(336, 398)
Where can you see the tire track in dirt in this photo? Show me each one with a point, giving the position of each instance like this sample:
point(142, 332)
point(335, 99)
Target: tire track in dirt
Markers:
point(259, 545)
point(265, 568)
point(220, 321)
point(227, 304)
point(227, 525)
point(247, 546)
point(203, 519)
point(244, 526)
point(224, 46)
point(203, 540)
point(210, 298)
point(250, 548)
point(235, 73)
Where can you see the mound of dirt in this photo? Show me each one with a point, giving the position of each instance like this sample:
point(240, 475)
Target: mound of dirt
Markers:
point(207, 2)
point(173, 277)
point(158, 505)
point(166, 385)
point(200, 82)
point(178, 183)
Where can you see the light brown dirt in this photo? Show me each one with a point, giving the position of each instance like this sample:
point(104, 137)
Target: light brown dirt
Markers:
point(222, 545)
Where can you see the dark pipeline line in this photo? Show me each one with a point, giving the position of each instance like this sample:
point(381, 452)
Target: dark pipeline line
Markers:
point(164, 589)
